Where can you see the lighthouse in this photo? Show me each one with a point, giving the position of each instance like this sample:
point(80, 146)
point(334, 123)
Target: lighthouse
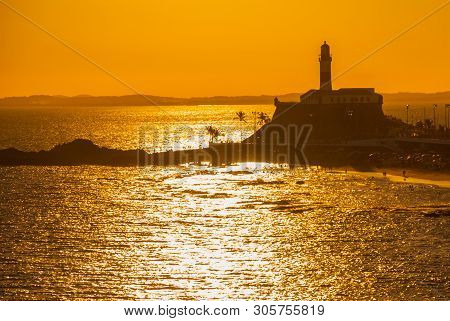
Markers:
point(325, 68)
point(349, 113)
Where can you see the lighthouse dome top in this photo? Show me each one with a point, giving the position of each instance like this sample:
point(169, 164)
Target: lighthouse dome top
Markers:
point(325, 46)
point(325, 50)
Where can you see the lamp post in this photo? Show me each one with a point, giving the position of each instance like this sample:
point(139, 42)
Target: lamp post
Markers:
point(407, 114)
point(434, 116)
point(447, 116)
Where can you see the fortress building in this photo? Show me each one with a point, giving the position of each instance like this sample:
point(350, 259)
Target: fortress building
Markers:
point(347, 113)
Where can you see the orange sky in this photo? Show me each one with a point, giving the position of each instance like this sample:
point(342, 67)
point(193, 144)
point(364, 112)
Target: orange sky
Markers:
point(215, 47)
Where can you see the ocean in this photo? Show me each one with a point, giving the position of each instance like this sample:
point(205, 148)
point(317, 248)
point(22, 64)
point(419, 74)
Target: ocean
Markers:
point(244, 231)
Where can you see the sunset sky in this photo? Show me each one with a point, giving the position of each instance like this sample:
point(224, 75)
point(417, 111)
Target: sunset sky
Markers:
point(215, 47)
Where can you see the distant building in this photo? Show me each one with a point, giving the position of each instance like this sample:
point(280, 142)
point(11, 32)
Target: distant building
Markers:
point(342, 113)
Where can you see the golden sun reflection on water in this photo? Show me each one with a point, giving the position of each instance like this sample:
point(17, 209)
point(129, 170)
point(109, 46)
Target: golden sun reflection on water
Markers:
point(242, 232)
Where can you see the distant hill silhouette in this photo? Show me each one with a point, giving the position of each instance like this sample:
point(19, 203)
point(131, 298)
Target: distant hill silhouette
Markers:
point(136, 100)
point(418, 98)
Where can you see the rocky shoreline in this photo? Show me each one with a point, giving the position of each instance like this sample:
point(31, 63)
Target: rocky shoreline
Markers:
point(85, 152)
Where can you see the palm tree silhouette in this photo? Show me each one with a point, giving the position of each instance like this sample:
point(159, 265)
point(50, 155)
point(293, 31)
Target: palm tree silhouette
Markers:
point(240, 115)
point(263, 118)
point(213, 133)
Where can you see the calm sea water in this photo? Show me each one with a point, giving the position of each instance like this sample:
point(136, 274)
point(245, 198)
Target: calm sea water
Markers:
point(169, 127)
point(249, 231)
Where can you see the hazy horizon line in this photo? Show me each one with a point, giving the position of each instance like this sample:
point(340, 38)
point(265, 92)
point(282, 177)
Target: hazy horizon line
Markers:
point(207, 96)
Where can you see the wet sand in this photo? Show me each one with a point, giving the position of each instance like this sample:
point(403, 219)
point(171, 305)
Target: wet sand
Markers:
point(413, 176)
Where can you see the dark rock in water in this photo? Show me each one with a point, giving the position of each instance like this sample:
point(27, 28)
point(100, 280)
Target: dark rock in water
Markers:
point(438, 213)
point(261, 182)
point(77, 152)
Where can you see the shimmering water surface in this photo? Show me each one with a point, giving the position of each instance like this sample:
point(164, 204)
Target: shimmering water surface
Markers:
point(149, 127)
point(196, 232)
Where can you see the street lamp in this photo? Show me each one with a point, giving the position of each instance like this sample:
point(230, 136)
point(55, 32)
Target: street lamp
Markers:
point(407, 114)
point(434, 115)
point(447, 116)
point(446, 106)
